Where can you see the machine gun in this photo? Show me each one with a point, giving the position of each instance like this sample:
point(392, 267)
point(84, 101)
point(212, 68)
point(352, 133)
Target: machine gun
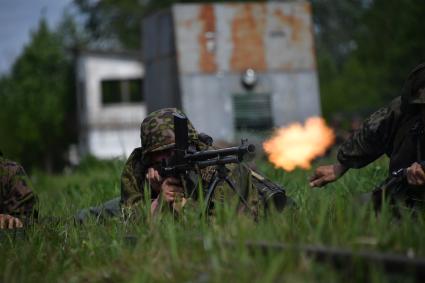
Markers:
point(187, 159)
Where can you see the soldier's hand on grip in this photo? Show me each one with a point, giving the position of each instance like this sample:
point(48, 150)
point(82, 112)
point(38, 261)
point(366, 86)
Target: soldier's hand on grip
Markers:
point(326, 174)
point(9, 222)
point(171, 189)
point(415, 175)
point(154, 179)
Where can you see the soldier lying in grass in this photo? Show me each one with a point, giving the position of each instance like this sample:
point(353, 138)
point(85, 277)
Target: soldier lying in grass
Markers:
point(17, 201)
point(396, 130)
point(141, 171)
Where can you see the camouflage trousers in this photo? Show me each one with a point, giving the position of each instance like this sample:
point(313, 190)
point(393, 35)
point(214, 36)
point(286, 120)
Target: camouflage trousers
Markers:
point(111, 208)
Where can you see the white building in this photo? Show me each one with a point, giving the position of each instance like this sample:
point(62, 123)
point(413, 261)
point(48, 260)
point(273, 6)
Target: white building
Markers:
point(110, 102)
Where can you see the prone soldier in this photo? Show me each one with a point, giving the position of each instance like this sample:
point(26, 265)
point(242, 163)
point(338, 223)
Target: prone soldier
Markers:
point(141, 170)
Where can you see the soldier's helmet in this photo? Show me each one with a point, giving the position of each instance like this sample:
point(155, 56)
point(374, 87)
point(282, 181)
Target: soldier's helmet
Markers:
point(157, 130)
point(414, 88)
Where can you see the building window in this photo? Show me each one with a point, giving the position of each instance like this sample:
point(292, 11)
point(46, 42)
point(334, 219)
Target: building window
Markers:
point(252, 111)
point(122, 91)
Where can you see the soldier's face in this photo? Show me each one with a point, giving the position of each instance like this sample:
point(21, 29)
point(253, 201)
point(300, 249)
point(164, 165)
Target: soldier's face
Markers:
point(158, 156)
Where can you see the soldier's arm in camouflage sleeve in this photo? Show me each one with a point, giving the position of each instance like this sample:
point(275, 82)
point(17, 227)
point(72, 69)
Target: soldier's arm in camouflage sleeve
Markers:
point(373, 139)
point(18, 198)
point(131, 180)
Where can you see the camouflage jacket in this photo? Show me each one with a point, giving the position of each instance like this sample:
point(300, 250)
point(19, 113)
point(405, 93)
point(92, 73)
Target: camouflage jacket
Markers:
point(251, 185)
point(16, 195)
point(391, 131)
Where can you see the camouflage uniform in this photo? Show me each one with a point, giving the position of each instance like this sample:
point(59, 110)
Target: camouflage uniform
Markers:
point(396, 131)
point(16, 196)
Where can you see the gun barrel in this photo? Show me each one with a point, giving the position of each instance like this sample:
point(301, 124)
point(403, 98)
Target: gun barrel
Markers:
point(208, 154)
point(213, 162)
point(179, 169)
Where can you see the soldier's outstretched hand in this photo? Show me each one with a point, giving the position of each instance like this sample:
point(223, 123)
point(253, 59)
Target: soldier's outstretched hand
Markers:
point(415, 175)
point(326, 174)
point(9, 222)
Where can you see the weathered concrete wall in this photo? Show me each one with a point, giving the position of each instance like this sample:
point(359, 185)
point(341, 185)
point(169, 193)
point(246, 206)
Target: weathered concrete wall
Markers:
point(207, 103)
point(295, 96)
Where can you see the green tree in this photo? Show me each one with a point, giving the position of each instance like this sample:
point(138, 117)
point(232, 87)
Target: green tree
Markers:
point(374, 72)
point(36, 101)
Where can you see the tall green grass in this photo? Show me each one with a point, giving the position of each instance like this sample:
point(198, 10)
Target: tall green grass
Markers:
point(189, 249)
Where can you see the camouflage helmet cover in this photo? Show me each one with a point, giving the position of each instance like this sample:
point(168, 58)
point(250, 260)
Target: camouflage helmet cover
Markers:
point(157, 130)
point(414, 88)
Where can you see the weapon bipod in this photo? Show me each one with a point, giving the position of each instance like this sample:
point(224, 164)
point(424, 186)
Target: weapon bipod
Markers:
point(220, 176)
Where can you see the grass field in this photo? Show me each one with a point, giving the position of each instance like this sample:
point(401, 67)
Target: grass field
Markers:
point(192, 250)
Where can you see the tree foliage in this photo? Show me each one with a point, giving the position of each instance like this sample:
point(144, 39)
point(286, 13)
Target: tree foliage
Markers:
point(388, 44)
point(36, 102)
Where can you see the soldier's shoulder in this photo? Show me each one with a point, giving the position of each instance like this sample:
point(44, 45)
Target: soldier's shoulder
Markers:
point(133, 160)
point(9, 166)
point(136, 154)
point(391, 111)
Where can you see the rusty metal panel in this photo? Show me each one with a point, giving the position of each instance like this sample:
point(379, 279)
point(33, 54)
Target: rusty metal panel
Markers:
point(289, 37)
point(214, 38)
point(247, 25)
point(207, 100)
point(207, 103)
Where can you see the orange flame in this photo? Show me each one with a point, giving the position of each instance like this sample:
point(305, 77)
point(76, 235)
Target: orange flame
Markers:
point(297, 145)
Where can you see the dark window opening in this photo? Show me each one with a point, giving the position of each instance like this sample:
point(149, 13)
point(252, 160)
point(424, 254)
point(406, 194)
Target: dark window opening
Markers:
point(122, 91)
point(136, 90)
point(252, 111)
